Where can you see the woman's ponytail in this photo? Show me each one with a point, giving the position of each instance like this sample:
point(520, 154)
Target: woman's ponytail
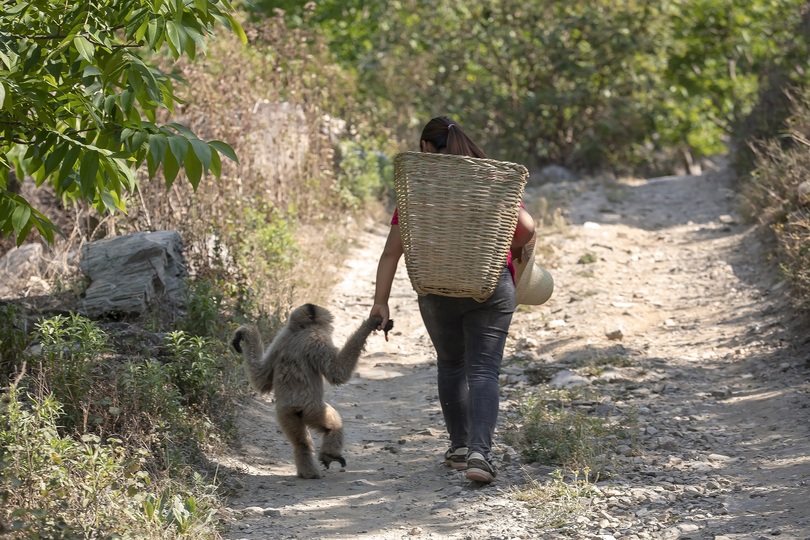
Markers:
point(443, 132)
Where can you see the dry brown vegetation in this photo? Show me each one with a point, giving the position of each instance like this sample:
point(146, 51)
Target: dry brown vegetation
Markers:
point(277, 103)
point(778, 195)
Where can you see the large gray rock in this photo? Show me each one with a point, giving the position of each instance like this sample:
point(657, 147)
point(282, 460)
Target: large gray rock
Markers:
point(129, 274)
point(21, 260)
point(20, 269)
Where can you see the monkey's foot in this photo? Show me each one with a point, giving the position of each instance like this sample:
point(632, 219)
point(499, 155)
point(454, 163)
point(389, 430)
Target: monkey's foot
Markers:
point(327, 459)
point(309, 473)
point(307, 467)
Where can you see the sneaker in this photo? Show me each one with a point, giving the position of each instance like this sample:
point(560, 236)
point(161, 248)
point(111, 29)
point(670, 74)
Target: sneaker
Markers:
point(456, 458)
point(479, 469)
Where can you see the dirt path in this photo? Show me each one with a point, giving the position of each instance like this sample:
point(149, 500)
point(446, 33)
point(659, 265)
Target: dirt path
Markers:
point(701, 344)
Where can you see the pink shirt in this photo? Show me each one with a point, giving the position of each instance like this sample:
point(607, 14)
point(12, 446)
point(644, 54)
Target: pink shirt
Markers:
point(395, 221)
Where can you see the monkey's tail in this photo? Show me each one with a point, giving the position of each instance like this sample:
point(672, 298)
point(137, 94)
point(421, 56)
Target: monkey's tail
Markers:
point(248, 341)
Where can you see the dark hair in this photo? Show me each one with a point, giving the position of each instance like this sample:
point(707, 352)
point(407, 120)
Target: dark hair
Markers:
point(445, 133)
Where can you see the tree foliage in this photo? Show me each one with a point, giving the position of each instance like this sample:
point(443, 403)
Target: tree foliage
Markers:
point(79, 99)
point(587, 84)
point(716, 55)
point(785, 77)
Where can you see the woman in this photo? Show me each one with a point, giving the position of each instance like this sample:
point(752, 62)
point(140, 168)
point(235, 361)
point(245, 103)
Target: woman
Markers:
point(469, 336)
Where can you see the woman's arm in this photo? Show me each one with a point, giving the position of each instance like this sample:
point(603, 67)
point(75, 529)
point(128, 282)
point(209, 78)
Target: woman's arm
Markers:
point(524, 233)
point(386, 269)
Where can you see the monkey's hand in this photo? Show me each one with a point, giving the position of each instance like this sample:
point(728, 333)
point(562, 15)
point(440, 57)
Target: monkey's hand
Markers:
point(374, 321)
point(388, 326)
point(248, 342)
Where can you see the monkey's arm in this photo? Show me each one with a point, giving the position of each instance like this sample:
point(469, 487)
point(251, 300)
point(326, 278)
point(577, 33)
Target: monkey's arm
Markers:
point(248, 341)
point(339, 371)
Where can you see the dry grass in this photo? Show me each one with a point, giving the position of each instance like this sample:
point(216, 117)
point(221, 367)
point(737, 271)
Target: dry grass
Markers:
point(776, 195)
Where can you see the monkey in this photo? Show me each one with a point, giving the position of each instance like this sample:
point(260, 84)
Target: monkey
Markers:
point(294, 366)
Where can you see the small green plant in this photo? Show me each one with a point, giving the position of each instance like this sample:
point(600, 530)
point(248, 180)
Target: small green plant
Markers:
point(175, 509)
point(558, 502)
point(548, 430)
point(597, 365)
point(588, 258)
point(153, 403)
point(265, 252)
point(195, 369)
point(204, 309)
point(179, 406)
point(275, 234)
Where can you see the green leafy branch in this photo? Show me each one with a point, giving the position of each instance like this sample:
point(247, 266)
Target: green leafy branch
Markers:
point(79, 102)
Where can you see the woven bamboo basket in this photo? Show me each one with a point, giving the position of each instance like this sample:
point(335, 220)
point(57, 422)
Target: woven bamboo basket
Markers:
point(457, 216)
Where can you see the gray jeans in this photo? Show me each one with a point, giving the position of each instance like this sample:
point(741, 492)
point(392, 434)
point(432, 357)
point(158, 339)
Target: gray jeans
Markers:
point(469, 339)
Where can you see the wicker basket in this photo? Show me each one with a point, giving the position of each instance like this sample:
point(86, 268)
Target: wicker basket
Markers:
point(457, 216)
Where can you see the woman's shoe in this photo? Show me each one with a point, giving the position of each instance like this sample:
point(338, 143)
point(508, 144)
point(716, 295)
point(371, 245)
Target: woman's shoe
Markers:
point(456, 458)
point(479, 469)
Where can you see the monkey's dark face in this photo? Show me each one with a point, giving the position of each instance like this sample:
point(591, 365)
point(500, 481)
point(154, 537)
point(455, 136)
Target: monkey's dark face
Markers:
point(308, 315)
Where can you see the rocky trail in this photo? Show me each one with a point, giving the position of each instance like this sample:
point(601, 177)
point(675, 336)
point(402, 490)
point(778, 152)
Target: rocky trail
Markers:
point(657, 285)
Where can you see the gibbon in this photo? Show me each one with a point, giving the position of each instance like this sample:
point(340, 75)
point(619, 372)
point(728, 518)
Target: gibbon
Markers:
point(295, 365)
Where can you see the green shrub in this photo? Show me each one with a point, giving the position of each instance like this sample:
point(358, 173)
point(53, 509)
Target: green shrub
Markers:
point(205, 305)
point(264, 252)
point(197, 370)
point(55, 486)
point(62, 472)
point(153, 408)
point(70, 366)
point(363, 173)
point(180, 406)
point(13, 341)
